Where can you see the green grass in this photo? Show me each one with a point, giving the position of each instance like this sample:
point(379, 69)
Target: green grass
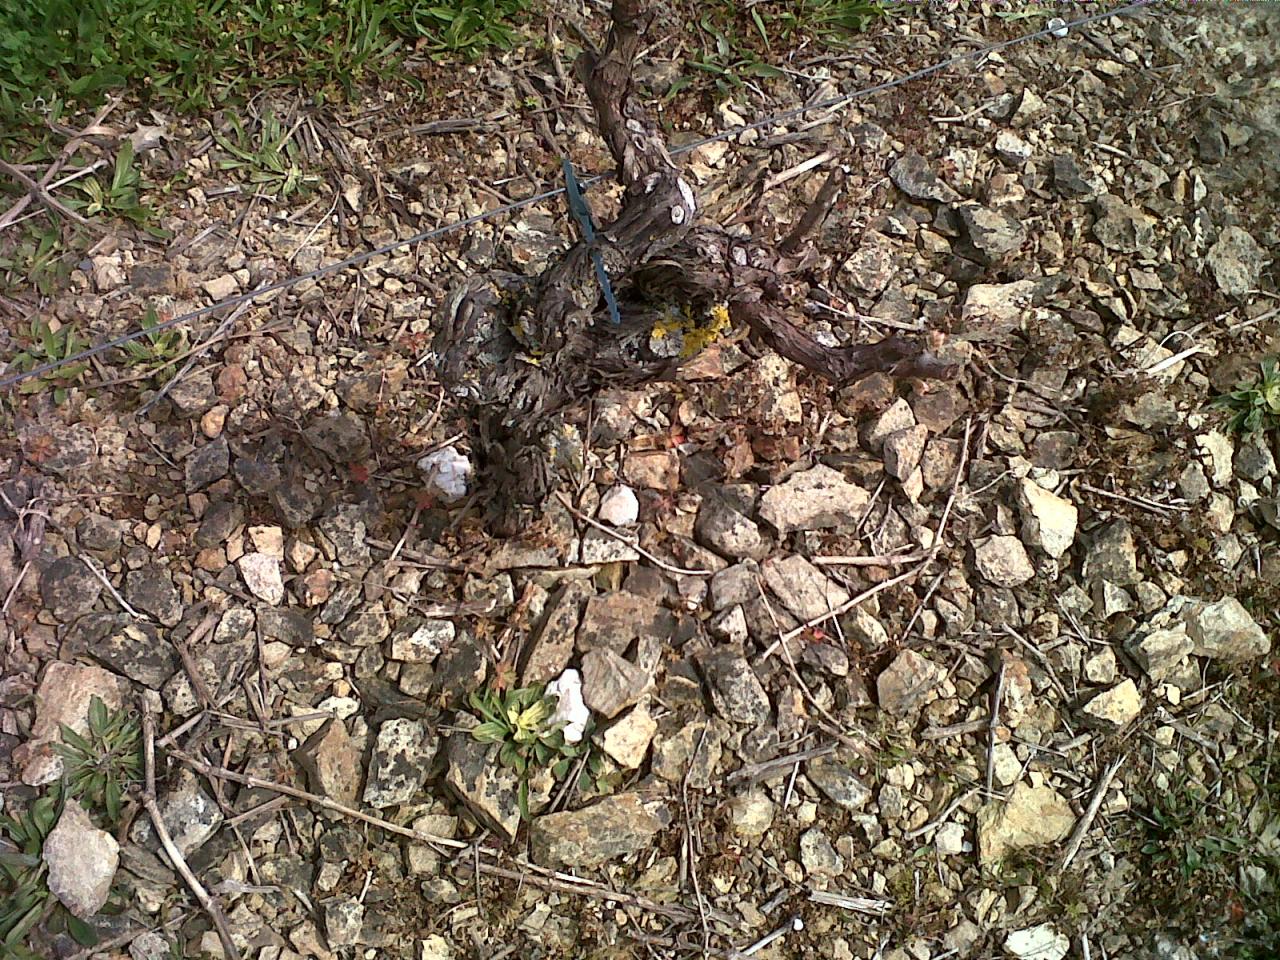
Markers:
point(737, 41)
point(195, 54)
point(1207, 846)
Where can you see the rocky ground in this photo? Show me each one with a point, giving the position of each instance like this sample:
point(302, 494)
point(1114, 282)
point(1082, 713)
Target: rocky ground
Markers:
point(914, 670)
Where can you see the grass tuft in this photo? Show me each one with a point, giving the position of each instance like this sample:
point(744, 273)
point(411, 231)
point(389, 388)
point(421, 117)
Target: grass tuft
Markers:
point(197, 54)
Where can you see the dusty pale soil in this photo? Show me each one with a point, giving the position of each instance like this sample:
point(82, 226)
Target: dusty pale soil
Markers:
point(1051, 734)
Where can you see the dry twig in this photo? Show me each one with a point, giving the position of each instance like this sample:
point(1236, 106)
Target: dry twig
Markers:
point(210, 906)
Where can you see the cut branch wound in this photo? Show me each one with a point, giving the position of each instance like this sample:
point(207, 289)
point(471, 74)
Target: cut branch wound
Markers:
point(522, 349)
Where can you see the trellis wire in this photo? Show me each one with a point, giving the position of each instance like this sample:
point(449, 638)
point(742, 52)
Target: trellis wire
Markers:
point(831, 104)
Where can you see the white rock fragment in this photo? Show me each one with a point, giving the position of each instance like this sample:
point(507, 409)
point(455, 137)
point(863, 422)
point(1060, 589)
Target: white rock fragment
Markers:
point(261, 573)
point(1042, 942)
point(570, 709)
point(446, 473)
point(1117, 706)
point(1003, 561)
point(619, 507)
point(627, 741)
point(902, 450)
point(1048, 520)
point(949, 839)
point(81, 861)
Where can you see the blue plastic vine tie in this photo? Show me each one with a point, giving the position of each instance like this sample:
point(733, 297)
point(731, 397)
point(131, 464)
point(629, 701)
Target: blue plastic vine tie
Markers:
point(582, 213)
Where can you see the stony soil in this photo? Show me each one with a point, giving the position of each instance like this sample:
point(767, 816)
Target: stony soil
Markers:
point(972, 669)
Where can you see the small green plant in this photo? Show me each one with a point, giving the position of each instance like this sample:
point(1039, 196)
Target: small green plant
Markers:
point(519, 720)
point(466, 28)
point(738, 37)
point(268, 157)
point(1255, 406)
point(157, 347)
point(100, 766)
point(25, 898)
point(117, 197)
point(97, 770)
point(34, 258)
point(49, 345)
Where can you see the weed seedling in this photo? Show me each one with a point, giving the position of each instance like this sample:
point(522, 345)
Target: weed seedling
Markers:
point(519, 720)
point(118, 197)
point(1255, 406)
point(158, 347)
point(268, 158)
point(25, 898)
point(100, 766)
point(49, 345)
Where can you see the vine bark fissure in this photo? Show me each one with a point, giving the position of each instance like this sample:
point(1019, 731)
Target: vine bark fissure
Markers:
point(523, 349)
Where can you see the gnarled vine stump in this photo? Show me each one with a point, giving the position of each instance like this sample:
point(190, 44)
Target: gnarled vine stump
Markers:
point(521, 350)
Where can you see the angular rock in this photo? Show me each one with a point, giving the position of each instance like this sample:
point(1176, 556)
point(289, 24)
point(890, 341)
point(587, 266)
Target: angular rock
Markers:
point(654, 469)
point(612, 828)
point(66, 690)
point(1067, 178)
point(1160, 651)
point(1003, 561)
point(136, 651)
point(840, 784)
point(617, 619)
point(816, 499)
point(736, 692)
point(735, 585)
point(489, 789)
point(912, 175)
point(151, 589)
point(723, 529)
point(207, 465)
point(818, 856)
point(619, 507)
point(341, 435)
point(627, 741)
point(190, 815)
point(1032, 817)
point(398, 766)
point(691, 750)
point(1225, 630)
point(262, 577)
point(992, 232)
point(1236, 261)
point(906, 682)
point(902, 450)
point(1101, 667)
point(552, 647)
point(1113, 555)
point(68, 588)
point(598, 547)
point(1115, 707)
point(343, 922)
point(1048, 520)
point(367, 627)
point(803, 588)
point(81, 861)
point(611, 683)
point(751, 813)
point(897, 416)
point(332, 763)
point(1254, 459)
point(874, 263)
point(992, 310)
point(421, 641)
point(1121, 226)
point(1042, 942)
